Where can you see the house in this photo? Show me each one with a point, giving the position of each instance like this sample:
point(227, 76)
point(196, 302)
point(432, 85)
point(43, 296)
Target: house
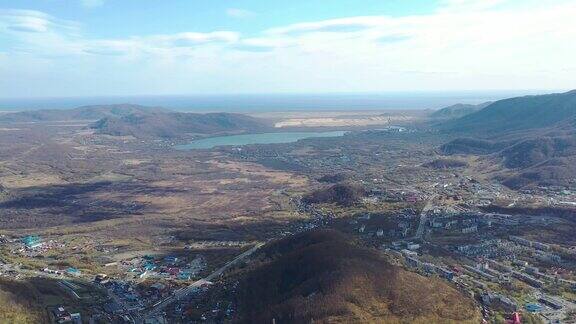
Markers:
point(112, 308)
point(185, 275)
point(32, 241)
point(471, 229)
point(412, 246)
point(397, 244)
point(73, 272)
point(498, 301)
point(409, 253)
point(101, 278)
point(171, 259)
point(437, 224)
point(445, 273)
point(551, 303)
point(533, 307)
point(149, 266)
point(412, 262)
point(61, 315)
point(76, 318)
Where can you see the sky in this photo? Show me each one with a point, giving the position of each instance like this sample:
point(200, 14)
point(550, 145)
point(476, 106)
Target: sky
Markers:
point(53, 48)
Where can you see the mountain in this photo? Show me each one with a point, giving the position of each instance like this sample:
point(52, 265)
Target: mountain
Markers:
point(323, 277)
point(532, 138)
point(177, 125)
point(521, 113)
point(476, 146)
point(553, 172)
point(535, 151)
point(143, 121)
point(343, 194)
point(80, 113)
point(458, 110)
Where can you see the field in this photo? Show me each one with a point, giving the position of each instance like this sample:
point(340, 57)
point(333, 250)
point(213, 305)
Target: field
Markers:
point(119, 194)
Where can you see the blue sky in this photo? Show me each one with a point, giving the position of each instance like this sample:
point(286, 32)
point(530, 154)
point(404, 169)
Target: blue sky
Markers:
point(133, 47)
point(123, 18)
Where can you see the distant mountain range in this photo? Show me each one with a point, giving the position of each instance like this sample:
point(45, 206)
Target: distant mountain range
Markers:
point(458, 110)
point(521, 113)
point(532, 137)
point(176, 125)
point(80, 113)
point(143, 122)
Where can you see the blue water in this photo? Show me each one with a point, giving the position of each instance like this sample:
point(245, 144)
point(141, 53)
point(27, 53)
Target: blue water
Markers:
point(265, 103)
point(263, 138)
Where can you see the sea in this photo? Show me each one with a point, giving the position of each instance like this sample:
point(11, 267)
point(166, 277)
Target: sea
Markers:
point(273, 102)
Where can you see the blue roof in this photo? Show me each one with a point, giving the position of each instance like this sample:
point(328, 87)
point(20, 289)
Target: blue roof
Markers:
point(185, 275)
point(31, 239)
point(532, 307)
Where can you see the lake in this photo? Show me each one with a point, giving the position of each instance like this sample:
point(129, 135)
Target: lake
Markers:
point(245, 139)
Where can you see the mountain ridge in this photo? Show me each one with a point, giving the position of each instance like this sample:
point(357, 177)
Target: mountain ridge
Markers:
point(177, 125)
point(458, 110)
point(92, 112)
point(533, 138)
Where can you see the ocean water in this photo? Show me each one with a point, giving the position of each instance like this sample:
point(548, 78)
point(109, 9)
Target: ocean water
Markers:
point(268, 103)
point(262, 138)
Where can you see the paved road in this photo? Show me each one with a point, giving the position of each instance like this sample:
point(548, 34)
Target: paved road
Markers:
point(424, 217)
point(181, 293)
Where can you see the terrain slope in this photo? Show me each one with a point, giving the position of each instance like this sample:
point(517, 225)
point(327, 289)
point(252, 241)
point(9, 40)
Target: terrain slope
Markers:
point(322, 276)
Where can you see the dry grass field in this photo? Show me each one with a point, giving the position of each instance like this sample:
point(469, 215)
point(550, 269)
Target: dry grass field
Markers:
point(67, 183)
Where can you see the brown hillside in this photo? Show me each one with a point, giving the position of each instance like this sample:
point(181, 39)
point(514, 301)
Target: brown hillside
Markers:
point(343, 194)
point(321, 276)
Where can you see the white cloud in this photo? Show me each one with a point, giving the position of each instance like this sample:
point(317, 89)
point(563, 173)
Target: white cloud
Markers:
point(239, 13)
point(192, 39)
point(456, 47)
point(33, 21)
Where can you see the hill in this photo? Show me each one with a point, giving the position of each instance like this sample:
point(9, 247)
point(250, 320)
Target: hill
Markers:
point(521, 113)
point(532, 161)
point(175, 124)
point(20, 302)
point(322, 277)
point(474, 146)
point(531, 137)
point(458, 110)
point(80, 113)
point(343, 194)
point(534, 151)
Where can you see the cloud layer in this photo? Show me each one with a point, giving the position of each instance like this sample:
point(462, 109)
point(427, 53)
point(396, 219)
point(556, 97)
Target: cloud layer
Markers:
point(466, 44)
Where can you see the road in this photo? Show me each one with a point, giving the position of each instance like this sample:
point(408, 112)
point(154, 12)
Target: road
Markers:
point(181, 293)
point(424, 217)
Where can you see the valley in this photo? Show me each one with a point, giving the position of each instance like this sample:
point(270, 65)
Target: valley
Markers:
point(105, 205)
